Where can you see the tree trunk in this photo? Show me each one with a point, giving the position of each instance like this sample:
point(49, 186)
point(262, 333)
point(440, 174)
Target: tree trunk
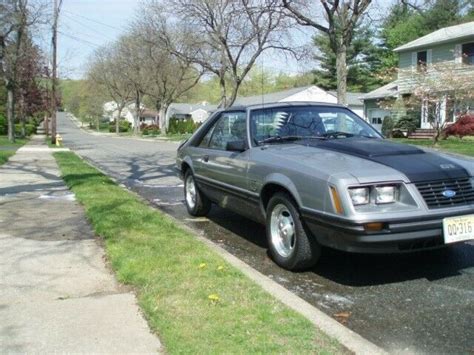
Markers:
point(164, 124)
point(117, 121)
point(222, 84)
point(11, 113)
point(233, 96)
point(136, 128)
point(341, 73)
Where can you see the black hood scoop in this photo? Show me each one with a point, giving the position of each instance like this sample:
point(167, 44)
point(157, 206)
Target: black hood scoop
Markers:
point(415, 163)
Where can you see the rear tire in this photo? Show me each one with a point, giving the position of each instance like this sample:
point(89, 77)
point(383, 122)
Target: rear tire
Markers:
point(197, 204)
point(291, 246)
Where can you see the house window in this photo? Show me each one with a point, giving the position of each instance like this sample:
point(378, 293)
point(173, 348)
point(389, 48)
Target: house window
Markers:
point(376, 120)
point(468, 53)
point(421, 60)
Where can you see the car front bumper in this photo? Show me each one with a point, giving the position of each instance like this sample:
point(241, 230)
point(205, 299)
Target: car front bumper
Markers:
point(397, 235)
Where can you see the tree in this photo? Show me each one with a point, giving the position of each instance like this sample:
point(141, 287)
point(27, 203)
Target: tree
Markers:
point(16, 17)
point(30, 95)
point(225, 37)
point(131, 59)
point(170, 76)
point(342, 18)
point(106, 71)
point(362, 62)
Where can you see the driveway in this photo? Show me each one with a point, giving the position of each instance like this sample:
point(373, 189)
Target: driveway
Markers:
point(421, 302)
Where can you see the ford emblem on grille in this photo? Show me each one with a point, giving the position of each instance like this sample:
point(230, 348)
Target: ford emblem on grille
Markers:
point(449, 193)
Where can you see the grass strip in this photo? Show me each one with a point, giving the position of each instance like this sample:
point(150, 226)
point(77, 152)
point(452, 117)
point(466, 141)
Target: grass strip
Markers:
point(193, 299)
point(463, 146)
point(7, 148)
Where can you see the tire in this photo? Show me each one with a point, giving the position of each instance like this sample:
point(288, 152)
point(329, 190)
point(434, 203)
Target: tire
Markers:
point(291, 246)
point(197, 204)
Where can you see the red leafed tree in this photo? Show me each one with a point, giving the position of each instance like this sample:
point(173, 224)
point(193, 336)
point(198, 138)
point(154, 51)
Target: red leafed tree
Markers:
point(464, 126)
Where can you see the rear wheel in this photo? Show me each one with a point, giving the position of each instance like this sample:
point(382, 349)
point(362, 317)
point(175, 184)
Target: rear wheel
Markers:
point(196, 203)
point(290, 245)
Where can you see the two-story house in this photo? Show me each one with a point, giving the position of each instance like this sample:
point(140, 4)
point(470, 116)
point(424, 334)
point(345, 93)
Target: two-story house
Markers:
point(450, 49)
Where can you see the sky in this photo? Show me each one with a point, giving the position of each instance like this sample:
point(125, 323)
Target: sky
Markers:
point(86, 25)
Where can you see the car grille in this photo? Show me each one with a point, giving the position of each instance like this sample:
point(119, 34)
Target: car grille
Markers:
point(432, 192)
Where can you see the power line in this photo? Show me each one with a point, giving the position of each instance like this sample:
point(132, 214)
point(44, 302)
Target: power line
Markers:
point(96, 35)
point(92, 20)
point(93, 45)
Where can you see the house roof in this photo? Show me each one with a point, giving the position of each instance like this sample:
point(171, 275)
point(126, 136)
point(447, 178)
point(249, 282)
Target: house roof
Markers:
point(267, 98)
point(187, 109)
point(446, 34)
point(352, 97)
point(387, 90)
point(149, 113)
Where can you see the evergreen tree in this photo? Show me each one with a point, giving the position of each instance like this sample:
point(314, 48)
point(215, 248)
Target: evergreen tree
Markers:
point(362, 60)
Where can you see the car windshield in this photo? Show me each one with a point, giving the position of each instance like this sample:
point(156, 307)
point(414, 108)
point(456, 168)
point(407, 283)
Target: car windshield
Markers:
point(286, 124)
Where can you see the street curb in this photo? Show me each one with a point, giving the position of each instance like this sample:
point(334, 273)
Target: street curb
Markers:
point(348, 338)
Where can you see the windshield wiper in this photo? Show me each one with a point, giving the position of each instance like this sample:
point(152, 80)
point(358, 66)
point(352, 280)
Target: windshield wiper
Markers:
point(276, 139)
point(336, 134)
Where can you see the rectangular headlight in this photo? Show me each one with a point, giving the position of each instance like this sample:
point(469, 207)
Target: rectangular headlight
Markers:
point(359, 195)
point(385, 194)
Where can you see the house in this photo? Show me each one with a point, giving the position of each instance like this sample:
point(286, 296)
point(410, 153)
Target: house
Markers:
point(197, 112)
point(128, 113)
point(306, 93)
point(448, 51)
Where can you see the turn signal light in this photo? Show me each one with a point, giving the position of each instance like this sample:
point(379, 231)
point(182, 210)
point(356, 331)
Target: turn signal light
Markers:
point(373, 227)
point(336, 201)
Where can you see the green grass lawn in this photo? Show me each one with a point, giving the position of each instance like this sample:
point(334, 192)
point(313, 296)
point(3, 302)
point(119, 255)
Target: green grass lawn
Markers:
point(193, 299)
point(455, 145)
point(7, 149)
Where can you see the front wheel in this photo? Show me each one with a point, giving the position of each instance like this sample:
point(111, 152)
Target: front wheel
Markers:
point(290, 245)
point(196, 203)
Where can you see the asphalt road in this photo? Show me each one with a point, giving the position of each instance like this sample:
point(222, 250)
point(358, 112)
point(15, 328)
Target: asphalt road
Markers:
point(413, 303)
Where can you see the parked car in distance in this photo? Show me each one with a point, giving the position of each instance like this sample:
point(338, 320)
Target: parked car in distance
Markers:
point(318, 175)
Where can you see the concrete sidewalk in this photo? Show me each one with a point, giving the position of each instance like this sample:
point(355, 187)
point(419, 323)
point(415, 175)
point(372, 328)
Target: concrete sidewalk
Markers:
point(56, 292)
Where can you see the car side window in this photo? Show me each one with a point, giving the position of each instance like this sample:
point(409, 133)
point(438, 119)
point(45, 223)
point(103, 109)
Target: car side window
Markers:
point(205, 140)
point(231, 126)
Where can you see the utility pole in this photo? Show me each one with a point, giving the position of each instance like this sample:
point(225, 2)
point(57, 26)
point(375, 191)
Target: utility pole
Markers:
point(55, 64)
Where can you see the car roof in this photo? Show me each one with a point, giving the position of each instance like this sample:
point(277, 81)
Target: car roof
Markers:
point(281, 104)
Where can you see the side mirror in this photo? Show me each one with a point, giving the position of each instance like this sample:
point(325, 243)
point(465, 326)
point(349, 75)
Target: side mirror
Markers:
point(236, 146)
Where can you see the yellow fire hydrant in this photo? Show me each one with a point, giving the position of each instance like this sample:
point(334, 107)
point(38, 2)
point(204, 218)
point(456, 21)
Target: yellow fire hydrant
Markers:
point(59, 140)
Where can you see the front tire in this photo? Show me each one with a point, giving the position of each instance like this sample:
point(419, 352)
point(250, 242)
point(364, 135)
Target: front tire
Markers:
point(196, 203)
point(290, 245)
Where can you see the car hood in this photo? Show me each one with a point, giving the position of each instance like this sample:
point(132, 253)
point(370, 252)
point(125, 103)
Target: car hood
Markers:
point(416, 164)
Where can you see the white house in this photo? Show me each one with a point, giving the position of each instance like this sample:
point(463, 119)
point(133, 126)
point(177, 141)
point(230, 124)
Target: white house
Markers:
point(310, 93)
point(198, 112)
point(128, 113)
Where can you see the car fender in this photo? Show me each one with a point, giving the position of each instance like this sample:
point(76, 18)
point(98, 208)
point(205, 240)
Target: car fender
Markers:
point(285, 182)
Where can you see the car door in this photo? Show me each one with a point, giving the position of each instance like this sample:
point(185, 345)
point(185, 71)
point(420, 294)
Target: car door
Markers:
point(223, 173)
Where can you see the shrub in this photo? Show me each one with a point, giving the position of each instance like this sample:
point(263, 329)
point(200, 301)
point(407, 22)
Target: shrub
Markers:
point(124, 126)
point(29, 129)
point(3, 125)
point(409, 123)
point(464, 126)
point(178, 126)
point(152, 129)
point(387, 126)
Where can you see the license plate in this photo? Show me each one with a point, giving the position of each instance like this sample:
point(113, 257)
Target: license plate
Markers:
point(458, 229)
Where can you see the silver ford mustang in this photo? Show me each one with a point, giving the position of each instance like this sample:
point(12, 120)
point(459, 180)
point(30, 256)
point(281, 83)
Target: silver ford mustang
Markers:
point(318, 175)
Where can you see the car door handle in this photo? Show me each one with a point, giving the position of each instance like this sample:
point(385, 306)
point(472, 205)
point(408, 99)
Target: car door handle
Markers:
point(205, 158)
